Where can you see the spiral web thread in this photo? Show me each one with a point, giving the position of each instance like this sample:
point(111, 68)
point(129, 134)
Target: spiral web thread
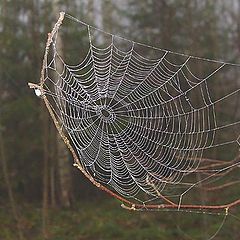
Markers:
point(134, 124)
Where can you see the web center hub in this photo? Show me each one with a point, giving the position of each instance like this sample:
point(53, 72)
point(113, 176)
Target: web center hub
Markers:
point(106, 114)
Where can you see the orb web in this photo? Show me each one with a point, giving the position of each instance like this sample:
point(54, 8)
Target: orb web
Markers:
point(143, 121)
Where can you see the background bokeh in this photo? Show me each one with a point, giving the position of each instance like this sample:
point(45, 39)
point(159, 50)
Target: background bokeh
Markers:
point(41, 195)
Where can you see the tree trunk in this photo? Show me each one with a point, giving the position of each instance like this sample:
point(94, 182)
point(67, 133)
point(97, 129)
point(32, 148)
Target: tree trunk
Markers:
point(53, 166)
point(64, 165)
point(9, 187)
point(45, 122)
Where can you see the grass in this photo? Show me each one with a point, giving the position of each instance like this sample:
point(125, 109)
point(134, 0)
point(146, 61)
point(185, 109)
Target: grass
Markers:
point(106, 220)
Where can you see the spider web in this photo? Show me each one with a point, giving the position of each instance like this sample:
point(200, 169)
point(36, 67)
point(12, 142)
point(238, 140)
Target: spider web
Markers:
point(144, 121)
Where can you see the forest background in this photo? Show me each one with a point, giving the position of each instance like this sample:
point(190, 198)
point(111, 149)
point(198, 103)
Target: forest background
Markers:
point(42, 196)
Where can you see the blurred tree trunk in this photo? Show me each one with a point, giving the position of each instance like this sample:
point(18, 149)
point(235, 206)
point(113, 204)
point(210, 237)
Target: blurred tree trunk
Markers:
point(53, 166)
point(64, 166)
point(98, 13)
point(90, 9)
point(9, 187)
point(238, 27)
point(107, 16)
point(45, 123)
point(3, 155)
point(35, 57)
